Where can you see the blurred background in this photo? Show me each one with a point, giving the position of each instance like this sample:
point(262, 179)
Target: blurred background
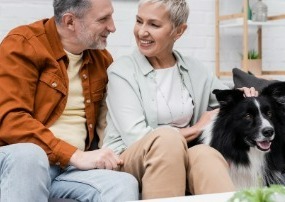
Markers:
point(198, 41)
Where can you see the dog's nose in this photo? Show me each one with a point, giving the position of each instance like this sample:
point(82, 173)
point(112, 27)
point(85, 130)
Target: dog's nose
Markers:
point(267, 131)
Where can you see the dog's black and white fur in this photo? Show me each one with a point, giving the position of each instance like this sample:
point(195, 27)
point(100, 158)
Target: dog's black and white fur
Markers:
point(249, 132)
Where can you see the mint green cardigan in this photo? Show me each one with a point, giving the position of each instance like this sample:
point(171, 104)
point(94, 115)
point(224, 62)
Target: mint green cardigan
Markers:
point(131, 97)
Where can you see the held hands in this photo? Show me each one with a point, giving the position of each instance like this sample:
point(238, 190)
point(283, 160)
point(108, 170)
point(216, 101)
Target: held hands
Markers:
point(101, 158)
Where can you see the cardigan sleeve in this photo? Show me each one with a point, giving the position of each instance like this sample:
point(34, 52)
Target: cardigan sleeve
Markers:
point(124, 103)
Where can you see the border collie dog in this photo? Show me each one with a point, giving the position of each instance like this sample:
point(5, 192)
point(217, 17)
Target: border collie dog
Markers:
point(249, 132)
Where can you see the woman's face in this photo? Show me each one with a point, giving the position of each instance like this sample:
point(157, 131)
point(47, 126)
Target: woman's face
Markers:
point(154, 31)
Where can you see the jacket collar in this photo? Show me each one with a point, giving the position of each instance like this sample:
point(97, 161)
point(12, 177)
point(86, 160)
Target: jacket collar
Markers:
point(146, 67)
point(54, 39)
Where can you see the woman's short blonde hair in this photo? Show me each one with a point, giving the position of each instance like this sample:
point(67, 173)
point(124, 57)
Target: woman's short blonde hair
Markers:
point(178, 10)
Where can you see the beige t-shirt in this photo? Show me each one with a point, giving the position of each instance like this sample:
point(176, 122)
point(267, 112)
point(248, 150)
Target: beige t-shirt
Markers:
point(71, 126)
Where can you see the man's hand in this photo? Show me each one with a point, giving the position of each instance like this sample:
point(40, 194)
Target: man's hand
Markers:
point(101, 158)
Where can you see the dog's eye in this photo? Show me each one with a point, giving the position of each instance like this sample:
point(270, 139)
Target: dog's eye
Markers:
point(269, 114)
point(248, 116)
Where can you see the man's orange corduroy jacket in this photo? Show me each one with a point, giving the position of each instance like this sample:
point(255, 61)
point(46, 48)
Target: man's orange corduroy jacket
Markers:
point(34, 87)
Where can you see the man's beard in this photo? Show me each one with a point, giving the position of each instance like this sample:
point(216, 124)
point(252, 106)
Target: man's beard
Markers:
point(89, 41)
point(99, 45)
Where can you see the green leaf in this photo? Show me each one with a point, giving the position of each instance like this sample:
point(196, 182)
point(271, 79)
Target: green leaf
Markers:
point(253, 55)
point(274, 193)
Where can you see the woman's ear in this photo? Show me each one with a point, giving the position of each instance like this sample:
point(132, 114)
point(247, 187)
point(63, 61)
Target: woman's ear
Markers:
point(68, 20)
point(180, 30)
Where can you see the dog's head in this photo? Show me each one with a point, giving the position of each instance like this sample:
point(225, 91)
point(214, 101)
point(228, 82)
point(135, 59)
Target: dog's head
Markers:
point(250, 118)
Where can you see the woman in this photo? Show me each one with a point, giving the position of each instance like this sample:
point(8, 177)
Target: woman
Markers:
point(157, 101)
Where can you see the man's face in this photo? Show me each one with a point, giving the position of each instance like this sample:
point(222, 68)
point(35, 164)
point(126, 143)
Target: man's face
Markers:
point(96, 25)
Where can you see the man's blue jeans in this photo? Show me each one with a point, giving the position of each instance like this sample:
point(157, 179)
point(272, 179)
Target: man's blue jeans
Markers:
point(25, 175)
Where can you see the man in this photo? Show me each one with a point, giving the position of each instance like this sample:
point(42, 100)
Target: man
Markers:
point(53, 79)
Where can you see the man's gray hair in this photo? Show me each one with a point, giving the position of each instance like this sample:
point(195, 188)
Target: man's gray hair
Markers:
point(77, 7)
point(178, 10)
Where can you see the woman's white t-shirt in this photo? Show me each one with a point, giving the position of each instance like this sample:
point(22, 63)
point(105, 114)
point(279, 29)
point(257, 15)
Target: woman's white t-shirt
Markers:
point(174, 103)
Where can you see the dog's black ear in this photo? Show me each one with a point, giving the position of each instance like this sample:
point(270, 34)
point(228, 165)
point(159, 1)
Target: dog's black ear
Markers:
point(275, 91)
point(228, 97)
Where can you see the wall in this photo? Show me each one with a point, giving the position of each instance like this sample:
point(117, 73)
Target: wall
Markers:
point(198, 41)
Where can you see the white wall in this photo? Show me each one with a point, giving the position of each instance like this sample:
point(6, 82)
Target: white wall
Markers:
point(198, 41)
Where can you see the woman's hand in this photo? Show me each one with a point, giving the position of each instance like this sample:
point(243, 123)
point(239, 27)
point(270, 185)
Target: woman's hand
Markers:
point(249, 92)
point(194, 131)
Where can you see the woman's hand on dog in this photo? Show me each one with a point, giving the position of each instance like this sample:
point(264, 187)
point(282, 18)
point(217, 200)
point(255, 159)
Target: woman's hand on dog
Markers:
point(194, 131)
point(249, 92)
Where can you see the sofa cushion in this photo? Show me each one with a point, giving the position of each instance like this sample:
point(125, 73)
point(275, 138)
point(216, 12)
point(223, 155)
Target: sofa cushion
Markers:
point(243, 79)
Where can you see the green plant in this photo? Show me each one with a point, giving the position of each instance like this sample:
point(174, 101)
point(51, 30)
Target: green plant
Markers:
point(274, 193)
point(253, 55)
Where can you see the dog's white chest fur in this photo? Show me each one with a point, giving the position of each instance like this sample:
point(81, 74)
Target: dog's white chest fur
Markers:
point(251, 175)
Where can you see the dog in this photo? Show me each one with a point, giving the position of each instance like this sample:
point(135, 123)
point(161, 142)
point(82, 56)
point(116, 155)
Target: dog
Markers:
point(249, 132)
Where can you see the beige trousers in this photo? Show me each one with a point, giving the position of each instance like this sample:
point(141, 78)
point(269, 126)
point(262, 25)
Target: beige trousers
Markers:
point(165, 167)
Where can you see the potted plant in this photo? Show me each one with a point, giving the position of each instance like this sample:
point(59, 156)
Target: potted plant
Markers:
point(254, 62)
